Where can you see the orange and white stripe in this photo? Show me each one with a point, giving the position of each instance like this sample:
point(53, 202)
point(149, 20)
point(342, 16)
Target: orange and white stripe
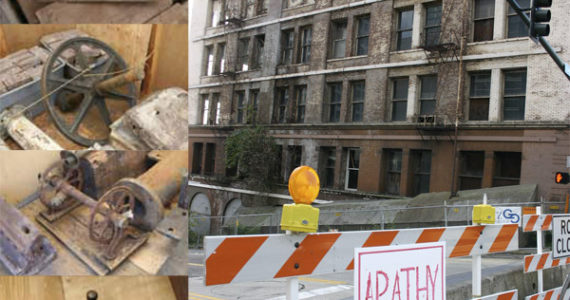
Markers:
point(508, 295)
point(543, 261)
point(263, 257)
point(552, 294)
point(537, 222)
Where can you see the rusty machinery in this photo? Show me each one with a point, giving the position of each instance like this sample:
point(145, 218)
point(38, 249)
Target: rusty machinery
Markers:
point(118, 222)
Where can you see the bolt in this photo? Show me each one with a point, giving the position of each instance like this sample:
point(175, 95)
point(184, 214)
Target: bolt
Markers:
point(305, 222)
point(92, 295)
point(296, 266)
point(297, 245)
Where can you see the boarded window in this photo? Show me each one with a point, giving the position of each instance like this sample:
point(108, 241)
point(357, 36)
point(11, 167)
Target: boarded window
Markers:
point(483, 20)
point(393, 170)
point(399, 99)
point(514, 95)
point(421, 168)
point(404, 32)
point(507, 169)
point(338, 39)
point(427, 94)
point(362, 35)
point(471, 165)
point(479, 92)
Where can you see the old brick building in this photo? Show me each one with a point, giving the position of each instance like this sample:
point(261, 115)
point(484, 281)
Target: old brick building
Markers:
point(367, 92)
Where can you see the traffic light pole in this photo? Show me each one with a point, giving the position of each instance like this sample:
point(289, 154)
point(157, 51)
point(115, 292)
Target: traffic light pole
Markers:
point(561, 64)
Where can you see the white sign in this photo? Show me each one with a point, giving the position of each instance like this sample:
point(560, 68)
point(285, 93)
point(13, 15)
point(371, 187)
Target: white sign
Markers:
point(560, 236)
point(415, 271)
point(508, 215)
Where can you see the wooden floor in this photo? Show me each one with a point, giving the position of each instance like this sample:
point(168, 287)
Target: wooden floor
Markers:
point(76, 287)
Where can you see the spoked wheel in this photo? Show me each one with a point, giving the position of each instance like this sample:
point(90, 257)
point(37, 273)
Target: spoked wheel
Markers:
point(48, 192)
point(102, 224)
point(79, 110)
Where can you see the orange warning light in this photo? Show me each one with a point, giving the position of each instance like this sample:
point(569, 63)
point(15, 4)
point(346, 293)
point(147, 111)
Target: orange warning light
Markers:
point(562, 178)
point(304, 185)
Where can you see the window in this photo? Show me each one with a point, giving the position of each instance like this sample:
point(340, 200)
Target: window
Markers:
point(294, 159)
point(240, 106)
point(262, 6)
point(471, 169)
point(210, 159)
point(243, 54)
point(507, 168)
point(301, 94)
point(306, 38)
point(483, 20)
point(254, 8)
point(514, 95)
point(283, 96)
point(339, 39)
point(197, 158)
point(288, 37)
point(393, 170)
point(362, 34)
point(399, 99)
point(352, 165)
point(327, 162)
point(479, 96)
point(421, 168)
point(277, 173)
point(218, 104)
point(404, 33)
point(358, 88)
point(335, 93)
point(221, 62)
point(209, 71)
point(252, 108)
point(217, 12)
point(205, 110)
point(432, 27)
point(258, 46)
point(427, 94)
point(516, 26)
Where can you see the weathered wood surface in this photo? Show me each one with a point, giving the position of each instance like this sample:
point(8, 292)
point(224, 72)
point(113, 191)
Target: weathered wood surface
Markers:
point(176, 14)
point(31, 288)
point(94, 1)
point(29, 8)
point(101, 13)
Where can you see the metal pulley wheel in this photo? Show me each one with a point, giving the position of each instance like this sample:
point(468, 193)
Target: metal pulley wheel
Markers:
point(80, 108)
point(115, 206)
point(49, 192)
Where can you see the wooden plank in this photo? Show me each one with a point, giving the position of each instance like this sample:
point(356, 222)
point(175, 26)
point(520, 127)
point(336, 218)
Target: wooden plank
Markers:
point(29, 8)
point(176, 14)
point(152, 255)
point(101, 13)
point(3, 46)
point(25, 36)
point(119, 288)
point(31, 288)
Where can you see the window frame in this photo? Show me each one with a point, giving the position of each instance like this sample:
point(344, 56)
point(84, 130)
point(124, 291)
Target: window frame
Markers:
point(243, 54)
point(240, 105)
point(427, 27)
point(417, 155)
point(483, 19)
point(301, 102)
point(514, 14)
point(358, 37)
point(258, 50)
point(353, 103)
point(328, 168)
point(210, 60)
point(304, 45)
point(479, 97)
point(253, 102)
point(389, 171)
point(335, 25)
point(394, 99)
point(462, 175)
point(220, 65)
point(400, 30)
point(348, 168)
point(335, 104)
point(205, 111)
point(508, 96)
point(423, 99)
point(287, 46)
point(283, 104)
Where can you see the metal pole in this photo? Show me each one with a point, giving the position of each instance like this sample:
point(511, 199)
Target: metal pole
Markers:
point(539, 251)
point(476, 268)
point(293, 288)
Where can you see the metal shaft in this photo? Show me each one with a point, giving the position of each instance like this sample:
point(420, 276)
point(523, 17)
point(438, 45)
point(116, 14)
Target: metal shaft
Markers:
point(135, 74)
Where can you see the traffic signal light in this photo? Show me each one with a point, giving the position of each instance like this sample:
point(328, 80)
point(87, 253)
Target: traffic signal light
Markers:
point(562, 178)
point(538, 17)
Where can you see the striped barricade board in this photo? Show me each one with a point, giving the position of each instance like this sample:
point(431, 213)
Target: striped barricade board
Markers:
point(232, 259)
point(508, 295)
point(537, 223)
point(535, 262)
point(552, 294)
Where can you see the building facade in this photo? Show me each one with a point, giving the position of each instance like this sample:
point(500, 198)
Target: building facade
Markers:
point(369, 92)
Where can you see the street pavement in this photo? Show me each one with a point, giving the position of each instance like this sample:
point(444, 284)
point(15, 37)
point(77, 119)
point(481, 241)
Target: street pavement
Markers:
point(335, 286)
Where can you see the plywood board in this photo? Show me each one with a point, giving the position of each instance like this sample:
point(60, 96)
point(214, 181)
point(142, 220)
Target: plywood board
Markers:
point(101, 13)
point(20, 36)
point(31, 288)
point(119, 288)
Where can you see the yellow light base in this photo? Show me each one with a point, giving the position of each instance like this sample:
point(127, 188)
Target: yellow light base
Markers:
point(300, 218)
point(484, 214)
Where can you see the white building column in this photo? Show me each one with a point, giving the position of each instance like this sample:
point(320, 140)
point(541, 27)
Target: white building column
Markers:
point(412, 103)
point(500, 23)
point(417, 25)
point(495, 97)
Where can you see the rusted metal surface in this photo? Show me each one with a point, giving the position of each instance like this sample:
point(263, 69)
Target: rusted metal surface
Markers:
point(109, 85)
point(23, 250)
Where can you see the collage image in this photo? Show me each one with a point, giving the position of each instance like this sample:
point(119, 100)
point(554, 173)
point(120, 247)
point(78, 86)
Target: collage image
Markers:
point(284, 149)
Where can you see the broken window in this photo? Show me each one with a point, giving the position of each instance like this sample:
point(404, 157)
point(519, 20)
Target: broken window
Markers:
point(217, 12)
point(421, 168)
point(288, 38)
point(507, 169)
point(252, 109)
point(197, 158)
point(295, 153)
point(205, 110)
point(209, 70)
point(393, 170)
point(306, 39)
point(218, 105)
point(358, 88)
point(432, 27)
point(362, 35)
point(483, 20)
point(301, 92)
point(335, 94)
point(210, 159)
point(221, 59)
point(240, 106)
point(352, 166)
point(258, 46)
point(427, 94)
point(399, 99)
point(243, 54)
point(283, 98)
point(338, 39)
point(327, 165)
point(471, 165)
point(479, 94)
point(514, 95)
point(516, 26)
point(404, 32)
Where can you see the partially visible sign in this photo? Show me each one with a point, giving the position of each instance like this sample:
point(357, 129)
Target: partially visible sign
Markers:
point(415, 271)
point(560, 236)
point(508, 215)
point(529, 210)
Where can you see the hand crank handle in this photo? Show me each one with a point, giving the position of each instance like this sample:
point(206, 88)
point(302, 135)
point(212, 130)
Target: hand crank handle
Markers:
point(107, 85)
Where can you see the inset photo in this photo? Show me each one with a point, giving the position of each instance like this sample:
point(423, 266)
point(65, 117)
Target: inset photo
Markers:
point(93, 212)
point(106, 87)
